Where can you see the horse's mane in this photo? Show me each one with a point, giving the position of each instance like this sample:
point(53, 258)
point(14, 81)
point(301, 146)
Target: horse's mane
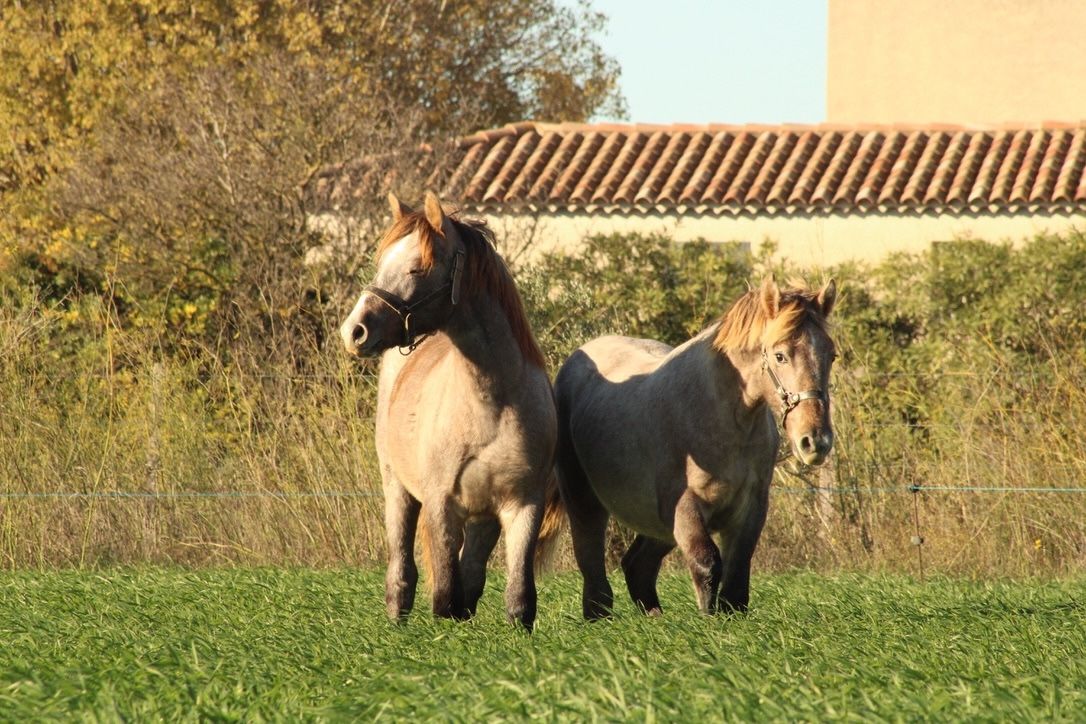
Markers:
point(485, 271)
point(745, 326)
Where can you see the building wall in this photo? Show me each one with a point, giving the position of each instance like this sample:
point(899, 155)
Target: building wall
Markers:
point(813, 240)
point(956, 61)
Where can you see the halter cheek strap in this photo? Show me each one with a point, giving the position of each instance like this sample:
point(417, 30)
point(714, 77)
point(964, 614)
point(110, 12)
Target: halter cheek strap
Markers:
point(789, 400)
point(405, 309)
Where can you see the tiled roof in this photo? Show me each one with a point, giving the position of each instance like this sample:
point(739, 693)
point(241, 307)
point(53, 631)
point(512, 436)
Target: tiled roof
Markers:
point(717, 169)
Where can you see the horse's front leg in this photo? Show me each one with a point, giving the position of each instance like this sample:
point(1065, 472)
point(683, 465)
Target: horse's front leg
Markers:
point(521, 524)
point(401, 519)
point(701, 553)
point(738, 545)
point(445, 528)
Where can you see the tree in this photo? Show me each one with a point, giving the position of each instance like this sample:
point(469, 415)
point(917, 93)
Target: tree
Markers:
point(167, 146)
point(67, 65)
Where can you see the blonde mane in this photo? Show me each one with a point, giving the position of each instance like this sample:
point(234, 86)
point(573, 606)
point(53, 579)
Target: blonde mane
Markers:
point(745, 327)
point(485, 271)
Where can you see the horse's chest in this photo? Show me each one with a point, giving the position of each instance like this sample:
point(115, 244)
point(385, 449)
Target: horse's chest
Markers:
point(727, 483)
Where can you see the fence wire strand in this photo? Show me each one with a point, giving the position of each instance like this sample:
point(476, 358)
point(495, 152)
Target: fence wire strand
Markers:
point(287, 495)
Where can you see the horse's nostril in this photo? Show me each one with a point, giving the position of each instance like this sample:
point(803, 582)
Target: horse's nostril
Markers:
point(358, 335)
point(806, 444)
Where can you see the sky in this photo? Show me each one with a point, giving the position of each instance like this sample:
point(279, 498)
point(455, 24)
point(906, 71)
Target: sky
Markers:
point(719, 61)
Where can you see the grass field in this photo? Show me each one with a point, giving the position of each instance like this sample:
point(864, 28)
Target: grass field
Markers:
point(278, 643)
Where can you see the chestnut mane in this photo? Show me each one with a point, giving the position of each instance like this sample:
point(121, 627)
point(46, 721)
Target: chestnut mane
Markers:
point(745, 326)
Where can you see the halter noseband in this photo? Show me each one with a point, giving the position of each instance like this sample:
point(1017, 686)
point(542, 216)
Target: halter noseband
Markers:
point(789, 400)
point(405, 309)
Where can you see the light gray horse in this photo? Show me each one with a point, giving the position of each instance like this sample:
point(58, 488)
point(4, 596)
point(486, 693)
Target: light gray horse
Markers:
point(465, 414)
point(679, 444)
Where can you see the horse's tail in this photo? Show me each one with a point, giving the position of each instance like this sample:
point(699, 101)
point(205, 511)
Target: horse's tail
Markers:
point(554, 520)
point(422, 533)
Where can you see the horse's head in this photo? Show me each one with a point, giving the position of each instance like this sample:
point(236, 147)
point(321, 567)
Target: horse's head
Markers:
point(797, 353)
point(420, 264)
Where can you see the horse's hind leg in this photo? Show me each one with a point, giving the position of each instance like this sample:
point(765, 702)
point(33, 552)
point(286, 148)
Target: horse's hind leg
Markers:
point(701, 553)
point(480, 537)
point(587, 527)
point(401, 520)
point(641, 564)
point(446, 529)
point(521, 526)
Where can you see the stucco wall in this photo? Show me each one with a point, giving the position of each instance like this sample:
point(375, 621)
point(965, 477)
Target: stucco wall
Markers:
point(809, 240)
point(957, 61)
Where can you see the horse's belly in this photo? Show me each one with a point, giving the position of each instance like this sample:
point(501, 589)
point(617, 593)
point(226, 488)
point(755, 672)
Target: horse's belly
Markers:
point(628, 492)
point(636, 510)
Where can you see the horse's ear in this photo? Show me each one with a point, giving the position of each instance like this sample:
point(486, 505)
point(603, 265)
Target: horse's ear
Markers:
point(827, 297)
point(399, 208)
point(434, 213)
point(770, 295)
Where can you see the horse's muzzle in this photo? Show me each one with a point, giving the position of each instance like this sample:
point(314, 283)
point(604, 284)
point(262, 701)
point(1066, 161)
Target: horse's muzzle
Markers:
point(354, 337)
point(814, 449)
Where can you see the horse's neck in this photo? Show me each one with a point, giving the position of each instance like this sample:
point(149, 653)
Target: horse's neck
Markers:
point(731, 381)
point(483, 339)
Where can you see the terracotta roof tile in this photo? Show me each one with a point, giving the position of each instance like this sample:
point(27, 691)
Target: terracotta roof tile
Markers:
point(661, 171)
point(640, 168)
point(1050, 167)
point(723, 169)
point(1008, 169)
point(556, 165)
point(684, 169)
point(1031, 164)
point(786, 180)
point(836, 169)
point(748, 170)
point(812, 173)
point(727, 170)
point(946, 169)
point(1071, 171)
point(968, 171)
point(861, 163)
point(575, 169)
point(704, 171)
point(624, 161)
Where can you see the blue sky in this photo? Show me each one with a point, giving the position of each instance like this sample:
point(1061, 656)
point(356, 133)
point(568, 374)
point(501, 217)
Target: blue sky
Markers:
point(719, 61)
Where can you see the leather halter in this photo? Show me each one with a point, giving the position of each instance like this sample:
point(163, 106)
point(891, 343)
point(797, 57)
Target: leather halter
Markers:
point(789, 400)
point(404, 309)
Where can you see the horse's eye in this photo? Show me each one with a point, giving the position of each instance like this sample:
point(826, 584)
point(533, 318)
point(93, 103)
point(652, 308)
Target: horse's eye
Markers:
point(417, 272)
point(780, 358)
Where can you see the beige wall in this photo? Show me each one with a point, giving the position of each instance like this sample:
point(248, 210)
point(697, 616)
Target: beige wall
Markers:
point(812, 241)
point(956, 61)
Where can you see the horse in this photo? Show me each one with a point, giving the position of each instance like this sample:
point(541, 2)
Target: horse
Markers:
point(466, 423)
point(680, 444)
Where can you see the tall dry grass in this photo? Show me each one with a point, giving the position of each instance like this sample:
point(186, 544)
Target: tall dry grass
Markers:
point(998, 428)
point(113, 450)
point(116, 453)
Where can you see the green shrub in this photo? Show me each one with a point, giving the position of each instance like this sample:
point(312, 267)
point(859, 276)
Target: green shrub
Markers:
point(961, 368)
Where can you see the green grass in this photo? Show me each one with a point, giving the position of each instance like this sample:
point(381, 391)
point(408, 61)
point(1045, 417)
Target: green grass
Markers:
point(277, 643)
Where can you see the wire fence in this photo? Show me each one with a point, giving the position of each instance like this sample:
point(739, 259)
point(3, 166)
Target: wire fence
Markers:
point(287, 495)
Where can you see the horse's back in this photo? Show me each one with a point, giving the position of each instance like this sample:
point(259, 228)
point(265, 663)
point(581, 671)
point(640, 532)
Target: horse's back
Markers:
point(617, 358)
point(609, 406)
